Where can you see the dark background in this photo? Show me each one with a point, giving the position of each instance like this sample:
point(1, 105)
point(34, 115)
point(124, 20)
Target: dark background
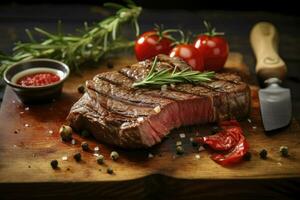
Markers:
point(236, 18)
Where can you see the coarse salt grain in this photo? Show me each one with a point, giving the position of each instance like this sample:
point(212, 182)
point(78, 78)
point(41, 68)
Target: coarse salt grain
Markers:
point(150, 155)
point(21, 112)
point(157, 109)
point(197, 156)
point(73, 141)
point(140, 119)
point(50, 132)
point(64, 158)
point(13, 101)
point(182, 135)
point(26, 125)
point(254, 127)
point(27, 108)
point(201, 148)
point(96, 148)
point(191, 139)
point(96, 154)
point(249, 120)
point(178, 143)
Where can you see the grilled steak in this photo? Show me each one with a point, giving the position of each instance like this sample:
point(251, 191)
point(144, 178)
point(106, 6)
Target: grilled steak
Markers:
point(118, 114)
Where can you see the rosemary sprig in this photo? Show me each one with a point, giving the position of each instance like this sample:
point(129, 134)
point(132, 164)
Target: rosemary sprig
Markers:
point(167, 76)
point(91, 45)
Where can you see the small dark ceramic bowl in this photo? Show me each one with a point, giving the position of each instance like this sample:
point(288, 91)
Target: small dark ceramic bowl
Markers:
point(36, 94)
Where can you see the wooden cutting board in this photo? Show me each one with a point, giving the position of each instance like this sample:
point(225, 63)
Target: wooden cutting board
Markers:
point(29, 140)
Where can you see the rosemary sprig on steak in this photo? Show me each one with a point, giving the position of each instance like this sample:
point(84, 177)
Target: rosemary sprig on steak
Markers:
point(168, 76)
point(91, 45)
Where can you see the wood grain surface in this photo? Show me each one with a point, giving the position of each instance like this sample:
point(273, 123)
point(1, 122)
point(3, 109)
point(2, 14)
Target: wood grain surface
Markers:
point(27, 145)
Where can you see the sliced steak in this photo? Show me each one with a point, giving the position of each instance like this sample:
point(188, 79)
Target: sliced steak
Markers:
point(118, 114)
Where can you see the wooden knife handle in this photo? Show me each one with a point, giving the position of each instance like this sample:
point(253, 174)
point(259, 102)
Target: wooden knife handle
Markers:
point(264, 41)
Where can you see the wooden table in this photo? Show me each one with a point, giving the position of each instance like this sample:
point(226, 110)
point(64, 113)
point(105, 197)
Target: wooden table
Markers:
point(29, 140)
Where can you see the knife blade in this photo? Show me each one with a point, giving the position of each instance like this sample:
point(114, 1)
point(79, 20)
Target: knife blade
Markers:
point(275, 101)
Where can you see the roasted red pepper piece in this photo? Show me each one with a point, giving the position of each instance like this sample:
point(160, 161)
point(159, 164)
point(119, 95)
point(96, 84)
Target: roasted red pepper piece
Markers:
point(230, 141)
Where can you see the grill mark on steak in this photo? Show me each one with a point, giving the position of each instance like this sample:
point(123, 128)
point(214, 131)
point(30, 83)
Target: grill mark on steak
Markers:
point(119, 78)
point(218, 95)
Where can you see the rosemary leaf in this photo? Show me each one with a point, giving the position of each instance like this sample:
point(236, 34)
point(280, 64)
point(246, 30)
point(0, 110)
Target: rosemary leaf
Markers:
point(167, 76)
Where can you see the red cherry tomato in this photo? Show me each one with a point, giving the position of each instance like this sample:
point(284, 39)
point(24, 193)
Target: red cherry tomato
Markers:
point(150, 44)
point(189, 54)
point(214, 50)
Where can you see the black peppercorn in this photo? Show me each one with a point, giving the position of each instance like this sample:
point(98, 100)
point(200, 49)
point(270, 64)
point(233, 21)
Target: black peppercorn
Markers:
point(110, 170)
point(284, 150)
point(263, 154)
point(114, 155)
point(179, 150)
point(77, 157)
point(81, 89)
point(85, 133)
point(65, 133)
point(54, 164)
point(100, 159)
point(247, 156)
point(85, 146)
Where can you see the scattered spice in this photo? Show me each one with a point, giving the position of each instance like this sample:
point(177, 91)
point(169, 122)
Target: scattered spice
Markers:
point(150, 155)
point(81, 89)
point(64, 158)
point(247, 156)
point(85, 146)
point(179, 150)
point(114, 155)
point(201, 148)
point(85, 134)
point(29, 166)
point(96, 148)
point(16, 132)
point(110, 170)
point(54, 164)
point(263, 154)
point(178, 143)
point(284, 150)
point(96, 154)
point(65, 133)
point(77, 157)
point(73, 141)
point(100, 159)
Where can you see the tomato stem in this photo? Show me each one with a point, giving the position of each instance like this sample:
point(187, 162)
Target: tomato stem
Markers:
point(211, 31)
